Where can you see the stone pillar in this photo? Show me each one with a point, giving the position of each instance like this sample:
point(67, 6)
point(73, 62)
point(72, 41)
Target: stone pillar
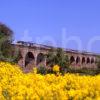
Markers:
point(21, 62)
point(35, 56)
point(75, 60)
point(80, 62)
point(45, 60)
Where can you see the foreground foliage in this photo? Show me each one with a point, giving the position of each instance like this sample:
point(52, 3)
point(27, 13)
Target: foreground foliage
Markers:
point(58, 57)
point(15, 85)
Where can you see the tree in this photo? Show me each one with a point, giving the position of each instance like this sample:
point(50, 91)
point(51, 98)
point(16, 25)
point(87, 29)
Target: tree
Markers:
point(7, 50)
point(62, 59)
point(51, 57)
point(58, 57)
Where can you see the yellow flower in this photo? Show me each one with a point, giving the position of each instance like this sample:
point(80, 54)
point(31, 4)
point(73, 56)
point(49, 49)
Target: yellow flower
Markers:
point(15, 85)
point(35, 70)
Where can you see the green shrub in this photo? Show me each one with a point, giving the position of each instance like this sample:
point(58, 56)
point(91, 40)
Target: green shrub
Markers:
point(84, 71)
point(42, 70)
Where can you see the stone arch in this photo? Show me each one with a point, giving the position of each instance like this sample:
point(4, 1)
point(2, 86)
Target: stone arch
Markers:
point(72, 59)
point(77, 60)
point(92, 60)
point(29, 58)
point(40, 58)
point(83, 60)
point(88, 60)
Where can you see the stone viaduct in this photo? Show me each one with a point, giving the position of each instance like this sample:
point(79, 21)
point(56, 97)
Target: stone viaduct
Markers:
point(34, 55)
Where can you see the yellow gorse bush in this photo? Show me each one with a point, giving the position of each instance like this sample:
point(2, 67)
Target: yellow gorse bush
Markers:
point(56, 68)
point(35, 70)
point(15, 85)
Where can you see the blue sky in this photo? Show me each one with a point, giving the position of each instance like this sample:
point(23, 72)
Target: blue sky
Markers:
point(73, 24)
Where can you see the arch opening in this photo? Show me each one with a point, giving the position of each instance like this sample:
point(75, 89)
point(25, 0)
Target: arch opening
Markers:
point(88, 60)
point(92, 60)
point(40, 58)
point(83, 60)
point(29, 58)
point(72, 59)
point(77, 60)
